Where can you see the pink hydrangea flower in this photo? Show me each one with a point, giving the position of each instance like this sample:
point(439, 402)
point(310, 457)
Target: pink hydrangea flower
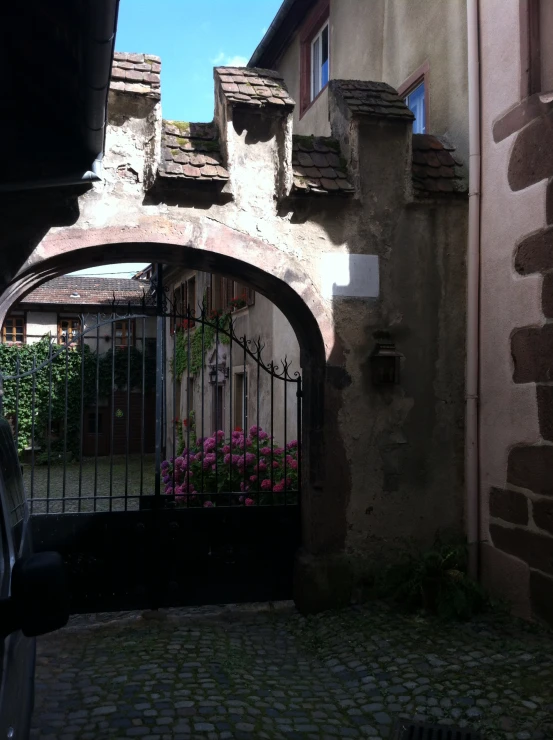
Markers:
point(263, 435)
point(279, 450)
point(266, 484)
point(265, 450)
point(210, 444)
point(250, 458)
point(226, 449)
point(208, 504)
point(253, 478)
point(294, 464)
point(292, 445)
point(279, 487)
point(254, 430)
point(275, 464)
point(249, 502)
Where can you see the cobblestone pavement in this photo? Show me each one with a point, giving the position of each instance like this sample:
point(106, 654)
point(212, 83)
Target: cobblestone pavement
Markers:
point(272, 674)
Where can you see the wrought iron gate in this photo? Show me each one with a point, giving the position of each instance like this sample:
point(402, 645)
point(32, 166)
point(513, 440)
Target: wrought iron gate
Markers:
point(161, 457)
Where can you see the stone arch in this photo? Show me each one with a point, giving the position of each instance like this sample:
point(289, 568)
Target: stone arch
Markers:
point(210, 246)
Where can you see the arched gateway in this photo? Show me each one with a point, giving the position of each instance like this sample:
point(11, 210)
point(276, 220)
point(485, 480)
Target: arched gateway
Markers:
point(346, 239)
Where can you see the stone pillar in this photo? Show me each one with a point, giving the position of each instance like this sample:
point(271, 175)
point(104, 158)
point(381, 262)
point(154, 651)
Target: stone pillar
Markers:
point(133, 139)
point(374, 128)
point(253, 112)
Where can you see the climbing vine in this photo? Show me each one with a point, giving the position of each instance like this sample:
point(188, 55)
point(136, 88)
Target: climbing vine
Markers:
point(55, 404)
point(202, 338)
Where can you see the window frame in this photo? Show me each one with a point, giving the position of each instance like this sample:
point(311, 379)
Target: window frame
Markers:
point(319, 37)
point(420, 76)
point(68, 318)
point(10, 316)
point(314, 25)
point(125, 335)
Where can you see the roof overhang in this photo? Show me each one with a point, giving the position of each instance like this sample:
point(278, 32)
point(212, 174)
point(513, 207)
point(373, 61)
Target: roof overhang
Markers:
point(55, 97)
point(285, 23)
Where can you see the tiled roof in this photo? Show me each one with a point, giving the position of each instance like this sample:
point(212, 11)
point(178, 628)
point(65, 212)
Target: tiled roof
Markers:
point(136, 73)
point(318, 166)
point(191, 151)
point(250, 86)
point(435, 168)
point(86, 291)
point(374, 99)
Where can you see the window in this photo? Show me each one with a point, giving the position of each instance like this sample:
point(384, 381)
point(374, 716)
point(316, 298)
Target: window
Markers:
point(320, 62)
point(184, 298)
point(314, 54)
point(68, 330)
point(414, 92)
point(124, 333)
point(14, 329)
point(240, 401)
point(235, 295)
point(415, 102)
point(537, 27)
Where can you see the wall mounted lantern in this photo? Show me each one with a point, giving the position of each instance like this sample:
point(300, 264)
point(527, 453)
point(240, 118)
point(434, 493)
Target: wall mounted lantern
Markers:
point(218, 374)
point(385, 361)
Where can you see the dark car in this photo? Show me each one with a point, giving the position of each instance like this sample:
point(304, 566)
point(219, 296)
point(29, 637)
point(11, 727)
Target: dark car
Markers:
point(33, 596)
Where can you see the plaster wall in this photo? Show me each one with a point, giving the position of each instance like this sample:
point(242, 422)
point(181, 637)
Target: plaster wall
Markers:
point(509, 300)
point(39, 324)
point(390, 40)
point(382, 470)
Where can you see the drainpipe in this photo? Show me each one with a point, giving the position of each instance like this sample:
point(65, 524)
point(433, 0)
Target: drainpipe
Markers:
point(473, 292)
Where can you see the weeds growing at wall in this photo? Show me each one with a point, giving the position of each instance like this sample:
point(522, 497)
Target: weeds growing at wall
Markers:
point(436, 581)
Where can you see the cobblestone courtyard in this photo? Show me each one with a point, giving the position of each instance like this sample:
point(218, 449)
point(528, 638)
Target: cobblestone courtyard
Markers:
point(272, 674)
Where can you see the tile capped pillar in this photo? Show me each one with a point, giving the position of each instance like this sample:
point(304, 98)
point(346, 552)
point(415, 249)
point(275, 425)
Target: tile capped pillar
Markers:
point(374, 128)
point(253, 112)
point(133, 143)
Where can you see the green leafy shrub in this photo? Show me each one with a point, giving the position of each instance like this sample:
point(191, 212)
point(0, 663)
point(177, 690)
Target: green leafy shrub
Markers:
point(60, 386)
point(436, 581)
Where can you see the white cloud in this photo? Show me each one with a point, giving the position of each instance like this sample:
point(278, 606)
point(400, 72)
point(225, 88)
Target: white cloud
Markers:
point(225, 60)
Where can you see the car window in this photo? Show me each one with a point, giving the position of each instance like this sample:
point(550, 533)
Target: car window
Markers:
point(10, 470)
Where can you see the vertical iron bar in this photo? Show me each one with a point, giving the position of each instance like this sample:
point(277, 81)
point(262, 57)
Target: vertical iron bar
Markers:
point(128, 426)
point(33, 405)
point(244, 422)
point(175, 421)
point(154, 584)
point(17, 403)
point(298, 431)
point(285, 425)
point(82, 432)
point(142, 424)
point(49, 443)
point(188, 359)
point(258, 396)
point(231, 418)
point(160, 326)
point(96, 412)
point(272, 423)
point(217, 405)
point(203, 400)
point(66, 352)
point(112, 411)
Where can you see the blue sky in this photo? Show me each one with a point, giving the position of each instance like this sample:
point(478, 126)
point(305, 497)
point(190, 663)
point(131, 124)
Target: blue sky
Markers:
point(191, 37)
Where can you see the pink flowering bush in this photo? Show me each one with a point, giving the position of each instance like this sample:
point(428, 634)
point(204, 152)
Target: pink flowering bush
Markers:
point(247, 470)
